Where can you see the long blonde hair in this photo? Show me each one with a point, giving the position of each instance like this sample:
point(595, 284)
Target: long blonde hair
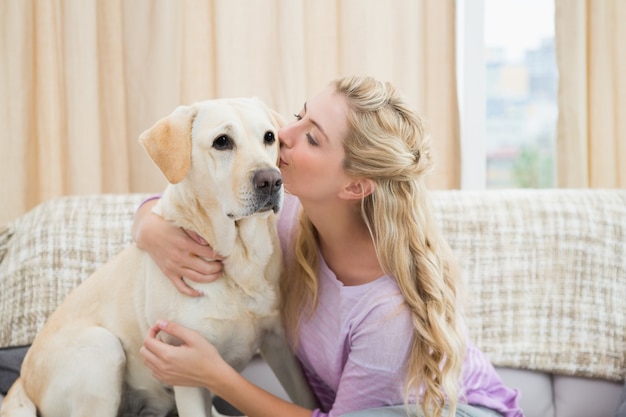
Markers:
point(386, 143)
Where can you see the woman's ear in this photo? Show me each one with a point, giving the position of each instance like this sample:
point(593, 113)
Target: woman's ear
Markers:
point(358, 189)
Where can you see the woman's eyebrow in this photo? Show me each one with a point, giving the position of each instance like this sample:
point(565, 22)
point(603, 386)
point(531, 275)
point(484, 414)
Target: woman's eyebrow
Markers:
point(316, 124)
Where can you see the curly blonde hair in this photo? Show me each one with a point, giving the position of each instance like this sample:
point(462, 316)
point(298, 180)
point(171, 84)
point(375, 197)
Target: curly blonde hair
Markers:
point(387, 144)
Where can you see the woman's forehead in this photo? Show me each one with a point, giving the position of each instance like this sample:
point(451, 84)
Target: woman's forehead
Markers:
point(329, 109)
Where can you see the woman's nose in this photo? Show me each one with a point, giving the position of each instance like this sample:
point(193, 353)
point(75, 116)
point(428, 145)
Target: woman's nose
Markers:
point(285, 136)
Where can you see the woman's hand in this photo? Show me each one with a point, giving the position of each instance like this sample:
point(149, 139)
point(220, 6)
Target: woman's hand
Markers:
point(196, 362)
point(176, 252)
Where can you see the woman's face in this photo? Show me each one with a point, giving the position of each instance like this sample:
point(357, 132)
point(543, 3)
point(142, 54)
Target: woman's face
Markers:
point(311, 153)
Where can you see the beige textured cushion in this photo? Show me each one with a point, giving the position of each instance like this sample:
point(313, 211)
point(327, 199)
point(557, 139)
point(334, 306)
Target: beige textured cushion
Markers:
point(547, 275)
point(50, 250)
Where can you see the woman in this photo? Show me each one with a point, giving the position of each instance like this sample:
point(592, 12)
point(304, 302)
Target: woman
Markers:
point(370, 290)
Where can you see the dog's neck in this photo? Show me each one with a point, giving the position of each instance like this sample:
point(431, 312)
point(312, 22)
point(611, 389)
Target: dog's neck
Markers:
point(229, 238)
point(205, 218)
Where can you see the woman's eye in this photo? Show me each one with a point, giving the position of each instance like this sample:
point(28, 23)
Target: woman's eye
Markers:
point(309, 137)
point(311, 140)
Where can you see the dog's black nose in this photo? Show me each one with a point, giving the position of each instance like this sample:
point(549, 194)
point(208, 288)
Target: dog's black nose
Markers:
point(267, 181)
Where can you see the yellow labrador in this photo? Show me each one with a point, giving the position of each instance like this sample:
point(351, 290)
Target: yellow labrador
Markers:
point(219, 157)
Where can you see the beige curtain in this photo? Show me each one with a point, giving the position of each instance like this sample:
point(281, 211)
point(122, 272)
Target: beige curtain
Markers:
point(81, 79)
point(591, 58)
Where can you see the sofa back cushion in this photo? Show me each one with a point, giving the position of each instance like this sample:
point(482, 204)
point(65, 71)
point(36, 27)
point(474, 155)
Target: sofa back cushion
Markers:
point(545, 270)
point(47, 252)
point(546, 273)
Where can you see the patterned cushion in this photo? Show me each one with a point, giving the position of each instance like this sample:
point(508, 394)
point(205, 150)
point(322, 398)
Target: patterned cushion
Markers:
point(50, 250)
point(546, 270)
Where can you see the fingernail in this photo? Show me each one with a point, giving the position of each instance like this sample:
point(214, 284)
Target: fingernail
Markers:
point(162, 324)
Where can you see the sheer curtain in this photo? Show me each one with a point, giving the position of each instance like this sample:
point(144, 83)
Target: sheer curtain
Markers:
point(81, 79)
point(591, 59)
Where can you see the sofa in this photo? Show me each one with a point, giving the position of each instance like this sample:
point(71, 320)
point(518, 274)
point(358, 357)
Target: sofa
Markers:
point(545, 274)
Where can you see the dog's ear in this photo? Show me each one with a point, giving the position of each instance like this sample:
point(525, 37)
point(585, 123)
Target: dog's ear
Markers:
point(168, 143)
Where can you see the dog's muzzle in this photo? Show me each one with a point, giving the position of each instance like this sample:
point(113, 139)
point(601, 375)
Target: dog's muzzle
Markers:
point(268, 185)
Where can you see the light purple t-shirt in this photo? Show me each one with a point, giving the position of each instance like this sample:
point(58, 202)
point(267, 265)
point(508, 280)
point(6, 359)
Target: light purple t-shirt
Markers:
point(354, 347)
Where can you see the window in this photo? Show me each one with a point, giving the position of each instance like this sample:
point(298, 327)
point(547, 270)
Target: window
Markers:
point(508, 86)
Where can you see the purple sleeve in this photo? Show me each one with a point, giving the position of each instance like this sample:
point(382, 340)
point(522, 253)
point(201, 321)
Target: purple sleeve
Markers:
point(484, 387)
point(152, 197)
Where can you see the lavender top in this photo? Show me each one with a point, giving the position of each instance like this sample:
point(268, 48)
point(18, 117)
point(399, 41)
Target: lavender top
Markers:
point(353, 348)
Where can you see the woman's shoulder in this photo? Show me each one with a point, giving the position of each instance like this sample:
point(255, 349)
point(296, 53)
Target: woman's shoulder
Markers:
point(289, 211)
point(290, 204)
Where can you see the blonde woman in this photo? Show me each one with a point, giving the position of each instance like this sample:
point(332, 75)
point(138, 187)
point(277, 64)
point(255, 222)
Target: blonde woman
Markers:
point(371, 294)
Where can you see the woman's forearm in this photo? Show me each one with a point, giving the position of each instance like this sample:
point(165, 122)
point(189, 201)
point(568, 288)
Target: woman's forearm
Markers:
point(253, 401)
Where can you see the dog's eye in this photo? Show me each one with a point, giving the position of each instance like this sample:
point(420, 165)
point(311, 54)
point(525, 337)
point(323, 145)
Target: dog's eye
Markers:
point(269, 138)
point(223, 143)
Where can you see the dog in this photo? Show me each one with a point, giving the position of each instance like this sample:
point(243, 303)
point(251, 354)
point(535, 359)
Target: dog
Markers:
point(220, 159)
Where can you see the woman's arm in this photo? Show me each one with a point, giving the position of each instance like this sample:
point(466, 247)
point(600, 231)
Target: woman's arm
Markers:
point(196, 362)
point(177, 252)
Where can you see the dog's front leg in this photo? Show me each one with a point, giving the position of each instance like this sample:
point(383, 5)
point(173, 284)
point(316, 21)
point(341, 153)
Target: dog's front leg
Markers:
point(193, 402)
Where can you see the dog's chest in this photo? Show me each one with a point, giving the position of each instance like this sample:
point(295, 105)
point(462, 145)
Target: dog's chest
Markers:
point(230, 318)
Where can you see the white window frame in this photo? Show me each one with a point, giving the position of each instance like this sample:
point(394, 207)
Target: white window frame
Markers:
point(470, 69)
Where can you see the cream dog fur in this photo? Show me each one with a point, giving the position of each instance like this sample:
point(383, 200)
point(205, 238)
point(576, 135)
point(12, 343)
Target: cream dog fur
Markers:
point(219, 157)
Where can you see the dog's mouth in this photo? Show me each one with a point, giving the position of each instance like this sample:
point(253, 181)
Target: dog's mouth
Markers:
point(270, 205)
point(264, 194)
point(268, 185)
point(268, 202)
point(260, 205)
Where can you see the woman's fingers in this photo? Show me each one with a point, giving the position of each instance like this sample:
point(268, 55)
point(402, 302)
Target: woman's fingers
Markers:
point(200, 270)
point(181, 363)
point(178, 253)
point(183, 287)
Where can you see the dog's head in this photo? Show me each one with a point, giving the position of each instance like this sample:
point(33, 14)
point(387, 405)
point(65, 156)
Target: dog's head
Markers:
point(223, 147)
